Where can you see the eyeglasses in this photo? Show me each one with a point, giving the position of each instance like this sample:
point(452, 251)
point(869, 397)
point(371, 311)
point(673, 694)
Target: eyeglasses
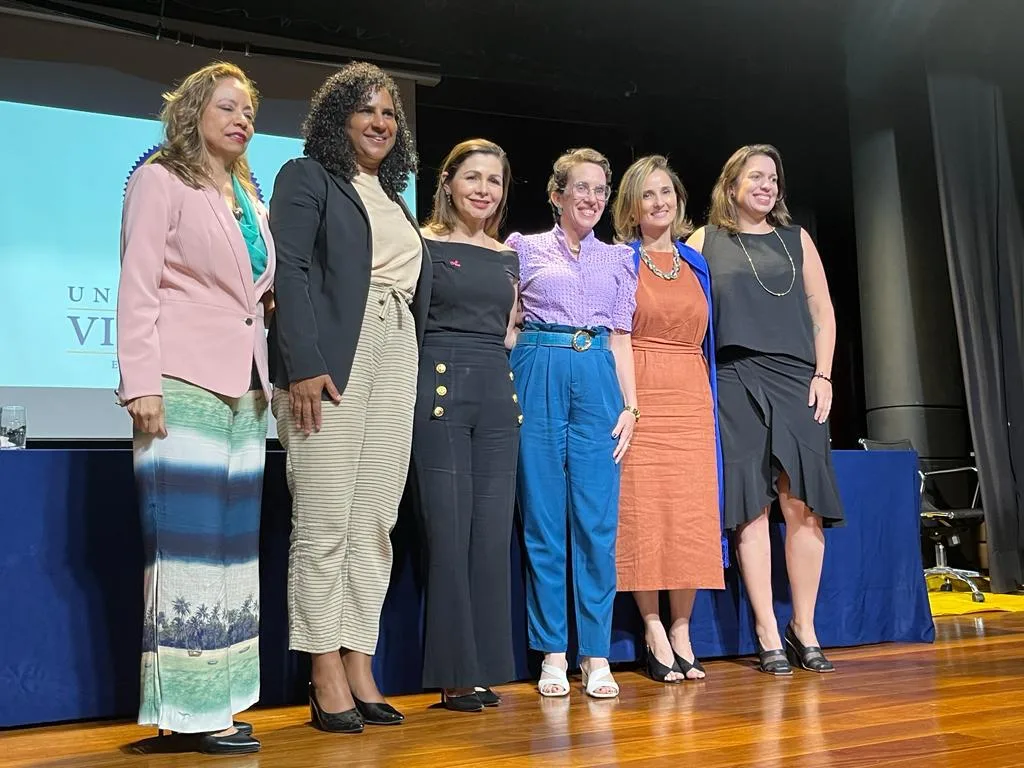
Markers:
point(582, 190)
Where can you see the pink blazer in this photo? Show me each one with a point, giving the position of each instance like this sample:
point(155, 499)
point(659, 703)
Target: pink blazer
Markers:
point(186, 303)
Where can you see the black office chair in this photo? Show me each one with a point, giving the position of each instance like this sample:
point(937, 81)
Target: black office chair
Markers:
point(943, 525)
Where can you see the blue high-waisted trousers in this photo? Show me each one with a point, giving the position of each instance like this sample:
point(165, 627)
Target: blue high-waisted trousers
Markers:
point(571, 401)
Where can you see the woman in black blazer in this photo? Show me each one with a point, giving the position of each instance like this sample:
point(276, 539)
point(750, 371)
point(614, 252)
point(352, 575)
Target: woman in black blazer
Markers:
point(353, 288)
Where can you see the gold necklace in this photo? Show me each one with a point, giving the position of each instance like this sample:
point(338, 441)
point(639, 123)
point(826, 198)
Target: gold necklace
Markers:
point(676, 264)
point(757, 277)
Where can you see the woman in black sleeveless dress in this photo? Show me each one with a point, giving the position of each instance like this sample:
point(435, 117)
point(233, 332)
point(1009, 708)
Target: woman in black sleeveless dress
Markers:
point(775, 330)
point(465, 445)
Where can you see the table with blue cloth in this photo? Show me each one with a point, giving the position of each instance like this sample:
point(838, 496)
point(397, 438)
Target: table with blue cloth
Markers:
point(71, 586)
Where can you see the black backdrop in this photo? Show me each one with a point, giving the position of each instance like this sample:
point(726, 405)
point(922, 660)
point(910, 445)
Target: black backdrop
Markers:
point(985, 250)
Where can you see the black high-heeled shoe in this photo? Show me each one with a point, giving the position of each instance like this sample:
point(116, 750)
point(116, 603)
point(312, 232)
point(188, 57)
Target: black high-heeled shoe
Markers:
point(685, 666)
point(378, 713)
point(487, 697)
point(468, 702)
point(809, 657)
point(657, 671)
point(349, 721)
point(773, 662)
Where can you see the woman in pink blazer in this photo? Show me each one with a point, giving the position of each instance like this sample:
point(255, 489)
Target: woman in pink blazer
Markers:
point(197, 270)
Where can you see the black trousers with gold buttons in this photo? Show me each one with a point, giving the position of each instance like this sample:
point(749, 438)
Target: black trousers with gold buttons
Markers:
point(465, 452)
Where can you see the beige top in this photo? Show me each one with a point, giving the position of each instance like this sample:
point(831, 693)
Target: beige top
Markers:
point(397, 251)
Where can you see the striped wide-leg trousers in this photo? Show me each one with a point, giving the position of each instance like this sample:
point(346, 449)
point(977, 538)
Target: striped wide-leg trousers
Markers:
point(346, 482)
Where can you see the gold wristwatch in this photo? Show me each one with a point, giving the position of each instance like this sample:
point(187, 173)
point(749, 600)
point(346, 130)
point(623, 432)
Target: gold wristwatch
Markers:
point(634, 411)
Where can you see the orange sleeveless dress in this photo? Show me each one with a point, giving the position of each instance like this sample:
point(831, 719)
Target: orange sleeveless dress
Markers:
point(669, 533)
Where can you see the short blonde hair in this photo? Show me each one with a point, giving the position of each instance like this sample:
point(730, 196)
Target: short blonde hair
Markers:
point(443, 216)
point(626, 210)
point(183, 151)
point(563, 167)
point(723, 207)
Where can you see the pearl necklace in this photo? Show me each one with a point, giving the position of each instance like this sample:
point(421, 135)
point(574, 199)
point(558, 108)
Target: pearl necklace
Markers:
point(757, 277)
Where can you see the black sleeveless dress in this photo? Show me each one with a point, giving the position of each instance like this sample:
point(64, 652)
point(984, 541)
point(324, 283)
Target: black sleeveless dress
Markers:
point(765, 359)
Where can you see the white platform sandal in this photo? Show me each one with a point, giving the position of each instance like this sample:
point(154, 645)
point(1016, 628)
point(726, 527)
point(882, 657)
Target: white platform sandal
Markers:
point(601, 678)
point(553, 677)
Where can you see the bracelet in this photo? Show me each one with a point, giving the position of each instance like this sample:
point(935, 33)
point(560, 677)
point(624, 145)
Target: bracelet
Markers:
point(632, 410)
point(819, 375)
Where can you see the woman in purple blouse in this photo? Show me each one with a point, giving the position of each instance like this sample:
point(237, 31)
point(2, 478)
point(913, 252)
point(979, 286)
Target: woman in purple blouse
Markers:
point(573, 369)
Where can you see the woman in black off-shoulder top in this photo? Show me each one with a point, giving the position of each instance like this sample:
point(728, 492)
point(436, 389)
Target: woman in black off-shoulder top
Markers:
point(466, 432)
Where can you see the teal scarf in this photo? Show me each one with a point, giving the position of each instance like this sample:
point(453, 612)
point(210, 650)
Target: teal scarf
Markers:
point(250, 226)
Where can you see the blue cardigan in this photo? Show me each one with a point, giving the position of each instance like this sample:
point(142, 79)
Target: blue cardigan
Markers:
point(699, 266)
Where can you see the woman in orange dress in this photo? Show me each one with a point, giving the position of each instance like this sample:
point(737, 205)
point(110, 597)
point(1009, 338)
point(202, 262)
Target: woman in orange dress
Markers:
point(670, 535)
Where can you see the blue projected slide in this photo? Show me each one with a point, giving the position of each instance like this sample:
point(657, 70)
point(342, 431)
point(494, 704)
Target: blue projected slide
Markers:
point(64, 176)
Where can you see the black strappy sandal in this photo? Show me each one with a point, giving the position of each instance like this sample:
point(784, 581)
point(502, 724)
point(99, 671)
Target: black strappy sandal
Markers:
point(685, 666)
point(773, 662)
point(657, 671)
point(809, 657)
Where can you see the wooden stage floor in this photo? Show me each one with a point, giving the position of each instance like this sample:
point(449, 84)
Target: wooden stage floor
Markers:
point(959, 702)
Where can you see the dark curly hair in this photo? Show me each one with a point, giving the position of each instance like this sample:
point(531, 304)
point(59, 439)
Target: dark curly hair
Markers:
point(324, 127)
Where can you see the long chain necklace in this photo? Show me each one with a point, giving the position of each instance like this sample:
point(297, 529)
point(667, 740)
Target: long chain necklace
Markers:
point(670, 275)
point(792, 264)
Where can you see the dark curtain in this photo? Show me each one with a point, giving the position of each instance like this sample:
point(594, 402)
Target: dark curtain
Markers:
point(985, 251)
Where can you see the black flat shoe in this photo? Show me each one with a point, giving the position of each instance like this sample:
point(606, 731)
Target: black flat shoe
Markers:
point(809, 657)
point(378, 713)
point(469, 702)
point(685, 666)
point(657, 671)
point(235, 744)
point(773, 662)
point(349, 721)
point(488, 697)
point(240, 725)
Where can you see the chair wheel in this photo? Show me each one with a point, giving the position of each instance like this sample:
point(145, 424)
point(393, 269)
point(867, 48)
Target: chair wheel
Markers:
point(978, 598)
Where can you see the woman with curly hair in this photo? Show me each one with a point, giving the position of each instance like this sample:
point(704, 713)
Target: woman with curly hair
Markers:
point(353, 289)
point(197, 266)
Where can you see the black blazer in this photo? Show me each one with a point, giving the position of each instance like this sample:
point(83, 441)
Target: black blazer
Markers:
point(324, 257)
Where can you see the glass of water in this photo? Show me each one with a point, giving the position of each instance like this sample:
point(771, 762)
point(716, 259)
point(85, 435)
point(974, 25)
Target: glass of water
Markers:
point(12, 426)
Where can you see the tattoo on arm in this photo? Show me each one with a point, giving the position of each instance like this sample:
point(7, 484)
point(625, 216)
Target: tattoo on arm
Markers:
point(812, 306)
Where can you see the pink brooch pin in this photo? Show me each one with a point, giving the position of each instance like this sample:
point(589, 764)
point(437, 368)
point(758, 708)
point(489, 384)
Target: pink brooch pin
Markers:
point(455, 263)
